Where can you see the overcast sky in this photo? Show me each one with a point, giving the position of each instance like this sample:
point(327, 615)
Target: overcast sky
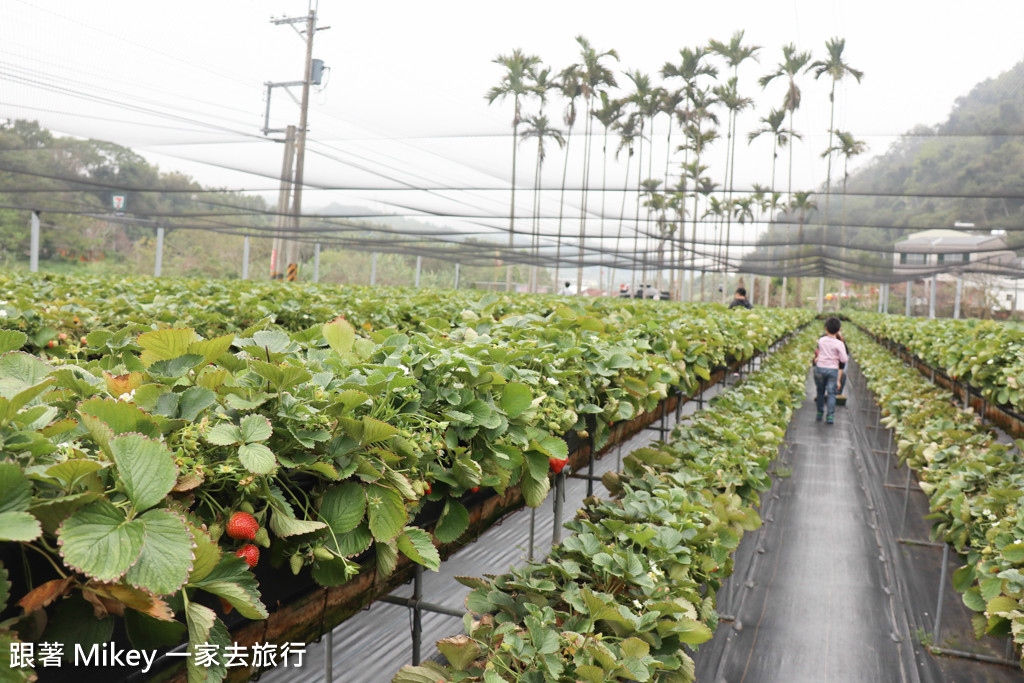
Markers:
point(403, 105)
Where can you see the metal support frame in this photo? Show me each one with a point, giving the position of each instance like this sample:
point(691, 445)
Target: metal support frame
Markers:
point(245, 258)
point(33, 258)
point(158, 266)
point(316, 263)
point(373, 269)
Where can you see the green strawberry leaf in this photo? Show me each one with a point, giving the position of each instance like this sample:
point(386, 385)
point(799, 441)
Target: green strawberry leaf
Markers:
point(386, 512)
point(351, 543)
point(285, 525)
point(343, 507)
point(224, 434)
point(11, 340)
point(340, 335)
point(453, 523)
point(166, 559)
point(15, 488)
point(255, 428)
point(165, 344)
point(375, 431)
point(415, 544)
point(19, 526)
point(145, 467)
point(232, 580)
point(535, 490)
point(257, 458)
point(515, 399)
point(99, 542)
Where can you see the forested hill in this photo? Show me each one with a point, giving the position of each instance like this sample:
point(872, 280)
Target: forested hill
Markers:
point(72, 183)
point(969, 168)
point(979, 150)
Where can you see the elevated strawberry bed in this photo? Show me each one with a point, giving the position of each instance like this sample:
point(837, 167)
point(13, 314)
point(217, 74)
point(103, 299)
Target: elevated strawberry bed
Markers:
point(356, 449)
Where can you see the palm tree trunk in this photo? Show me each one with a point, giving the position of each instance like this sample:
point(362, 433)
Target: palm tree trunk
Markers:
point(512, 210)
point(586, 188)
point(561, 205)
point(828, 192)
point(604, 185)
point(622, 209)
point(639, 189)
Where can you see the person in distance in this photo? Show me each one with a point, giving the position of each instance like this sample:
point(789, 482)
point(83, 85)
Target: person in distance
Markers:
point(740, 299)
point(827, 357)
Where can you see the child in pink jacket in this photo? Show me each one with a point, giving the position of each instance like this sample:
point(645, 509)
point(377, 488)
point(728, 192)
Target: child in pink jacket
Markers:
point(830, 353)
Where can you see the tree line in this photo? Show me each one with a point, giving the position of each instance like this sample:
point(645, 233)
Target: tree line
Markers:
point(701, 97)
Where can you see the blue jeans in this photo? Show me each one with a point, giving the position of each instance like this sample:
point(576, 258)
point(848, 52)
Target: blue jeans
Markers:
point(825, 380)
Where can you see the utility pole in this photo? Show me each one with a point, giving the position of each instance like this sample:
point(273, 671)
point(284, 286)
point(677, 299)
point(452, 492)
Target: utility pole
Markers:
point(286, 248)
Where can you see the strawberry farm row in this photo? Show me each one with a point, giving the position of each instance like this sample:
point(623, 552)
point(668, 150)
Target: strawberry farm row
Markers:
point(127, 454)
point(986, 354)
point(629, 595)
point(974, 484)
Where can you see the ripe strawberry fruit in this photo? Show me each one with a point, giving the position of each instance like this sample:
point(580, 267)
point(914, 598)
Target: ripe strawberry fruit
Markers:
point(83, 341)
point(249, 553)
point(475, 489)
point(51, 343)
point(62, 336)
point(242, 526)
point(426, 488)
point(557, 464)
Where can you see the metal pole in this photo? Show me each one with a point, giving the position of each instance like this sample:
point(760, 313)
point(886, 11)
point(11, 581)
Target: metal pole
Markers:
point(158, 267)
point(908, 298)
point(417, 615)
point(316, 262)
point(785, 283)
point(34, 248)
point(906, 500)
point(533, 526)
point(245, 258)
point(373, 269)
point(419, 264)
point(300, 143)
point(456, 276)
point(959, 293)
point(885, 308)
point(556, 533)
point(942, 586)
point(329, 657)
point(931, 296)
point(821, 294)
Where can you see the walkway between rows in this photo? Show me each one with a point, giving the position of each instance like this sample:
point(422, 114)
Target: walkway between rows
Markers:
point(825, 592)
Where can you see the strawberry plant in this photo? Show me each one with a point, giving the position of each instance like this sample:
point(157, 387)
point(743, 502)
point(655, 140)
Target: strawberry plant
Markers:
point(973, 482)
point(128, 460)
point(633, 589)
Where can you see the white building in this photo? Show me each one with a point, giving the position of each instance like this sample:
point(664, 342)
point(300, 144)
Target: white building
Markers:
point(985, 261)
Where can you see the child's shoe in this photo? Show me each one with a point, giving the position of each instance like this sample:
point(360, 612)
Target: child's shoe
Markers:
point(820, 415)
point(830, 420)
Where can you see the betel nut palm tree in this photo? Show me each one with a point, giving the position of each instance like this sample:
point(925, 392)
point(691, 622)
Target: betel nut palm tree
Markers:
point(734, 53)
point(595, 78)
point(515, 82)
point(793, 62)
point(835, 68)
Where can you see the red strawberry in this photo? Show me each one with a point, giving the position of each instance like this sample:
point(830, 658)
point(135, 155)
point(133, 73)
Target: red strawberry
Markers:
point(51, 343)
point(426, 488)
point(84, 341)
point(557, 464)
point(62, 336)
point(475, 489)
point(242, 526)
point(249, 553)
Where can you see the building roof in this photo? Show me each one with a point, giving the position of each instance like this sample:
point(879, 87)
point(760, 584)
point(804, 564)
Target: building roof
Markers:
point(947, 241)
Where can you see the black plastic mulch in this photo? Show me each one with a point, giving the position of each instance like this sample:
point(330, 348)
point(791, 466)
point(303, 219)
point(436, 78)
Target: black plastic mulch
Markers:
point(825, 591)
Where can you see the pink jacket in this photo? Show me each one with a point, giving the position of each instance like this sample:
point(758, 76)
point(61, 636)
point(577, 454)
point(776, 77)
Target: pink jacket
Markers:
point(831, 352)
